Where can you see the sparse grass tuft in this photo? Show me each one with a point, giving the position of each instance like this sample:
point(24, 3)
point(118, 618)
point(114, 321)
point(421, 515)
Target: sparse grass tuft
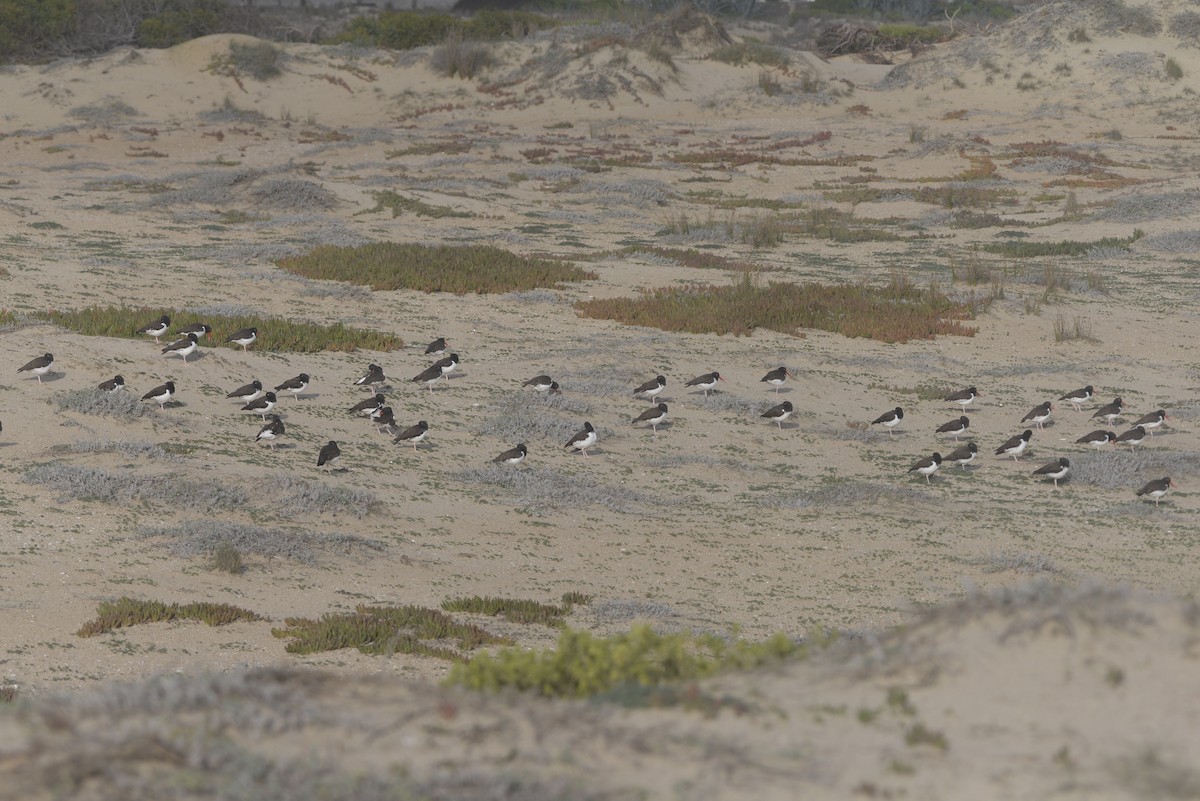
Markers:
point(386, 630)
point(301, 497)
point(458, 58)
point(582, 664)
point(460, 269)
point(8, 693)
point(259, 60)
point(209, 537)
point(1173, 70)
point(690, 257)
point(538, 490)
point(514, 610)
point(173, 490)
point(399, 204)
point(1066, 247)
point(1072, 330)
point(275, 334)
point(889, 314)
point(227, 559)
point(122, 405)
point(126, 612)
point(750, 51)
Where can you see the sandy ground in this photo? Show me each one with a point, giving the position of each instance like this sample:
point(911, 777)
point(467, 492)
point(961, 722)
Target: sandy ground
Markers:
point(144, 177)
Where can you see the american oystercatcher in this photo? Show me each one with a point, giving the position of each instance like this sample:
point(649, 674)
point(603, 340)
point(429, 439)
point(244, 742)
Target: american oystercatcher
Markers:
point(543, 384)
point(1038, 415)
point(245, 337)
point(156, 329)
point(1151, 421)
point(963, 397)
point(652, 389)
point(1079, 397)
point(384, 420)
point(963, 455)
point(777, 377)
point(39, 366)
point(272, 431)
point(512, 455)
point(1156, 489)
point(927, 466)
point(261, 405)
point(295, 385)
point(1097, 439)
point(1133, 437)
point(706, 382)
point(371, 378)
point(437, 370)
point(329, 455)
point(1015, 445)
point(246, 392)
point(201, 330)
point(654, 416)
point(437, 346)
point(1110, 412)
point(955, 427)
point(585, 439)
point(777, 414)
point(414, 434)
point(370, 405)
point(890, 419)
point(161, 394)
point(112, 384)
point(1056, 470)
point(182, 347)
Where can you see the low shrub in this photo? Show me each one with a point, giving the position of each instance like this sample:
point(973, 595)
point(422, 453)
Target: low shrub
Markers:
point(126, 612)
point(386, 630)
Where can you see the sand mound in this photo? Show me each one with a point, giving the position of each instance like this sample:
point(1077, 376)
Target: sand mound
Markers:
point(871, 718)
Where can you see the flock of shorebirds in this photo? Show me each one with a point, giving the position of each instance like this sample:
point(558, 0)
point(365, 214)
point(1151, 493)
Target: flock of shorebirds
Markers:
point(256, 400)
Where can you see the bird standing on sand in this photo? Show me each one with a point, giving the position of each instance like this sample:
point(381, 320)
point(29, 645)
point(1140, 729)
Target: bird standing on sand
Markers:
point(963, 455)
point(437, 346)
point(964, 397)
point(1015, 446)
point(890, 419)
point(654, 416)
point(261, 405)
point(1078, 397)
point(778, 414)
point(512, 455)
point(777, 377)
point(414, 434)
point(1039, 414)
point(927, 466)
point(156, 329)
point(1110, 412)
point(1056, 470)
point(1097, 439)
point(161, 394)
point(329, 455)
point(272, 431)
point(246, 392)
point(244, 337)
point(1151, 421)
point(1156, 489)
point(370, 405)
point(439, 369)
point(653, 388)
point(371, 378)
point(295, 385)
point(39, 366)
point(955, 427)
point(706, 382)
point(112, 384)
point(543, 384)
point(585, 439)
point(182, 347)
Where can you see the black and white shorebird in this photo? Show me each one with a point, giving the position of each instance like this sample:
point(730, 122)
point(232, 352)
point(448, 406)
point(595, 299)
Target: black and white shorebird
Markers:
point(329, 454)
point(963, 454)
point(585, 439)
point(112, 384)
point(372, 378)
point(437, 346)
point(370, 405)
point(436, 371)
point(1056, 470)
point(1110, 412)
point(261, 405)
point(653, 388)
point(246, 392)
point(955, 427)
point(1133, 437)
point(1154, 490)
point(1015, 446)
point(964, 397)
point(414, 434)
point(543, 384)
point(1097, 439)
point(890, 419)
point(654, 416)
point(184, 347)
point(384, 419)
point(201, 330)
point(156, 329)
point(161, 394)
point(777, 377)
point(1039, 414)
point(706, 382)
point(244, 337)
point(1152, 421)
point(1079, 397)
point(39, 366)
point(512, 455)
point(777, 414)
point(295, 385)
point(271, 432)
point(927, 466)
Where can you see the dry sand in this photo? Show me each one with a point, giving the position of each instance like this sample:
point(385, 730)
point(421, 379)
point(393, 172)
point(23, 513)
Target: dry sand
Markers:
point(119, 176)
